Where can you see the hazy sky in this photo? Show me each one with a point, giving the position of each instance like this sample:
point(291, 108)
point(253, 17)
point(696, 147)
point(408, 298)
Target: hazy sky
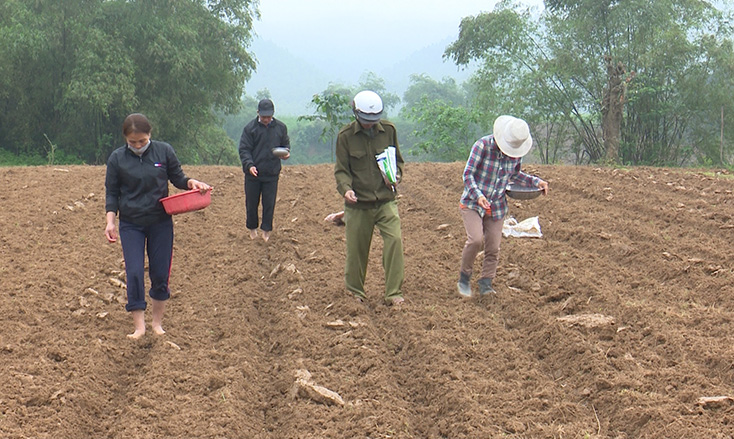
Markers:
point(362, 34)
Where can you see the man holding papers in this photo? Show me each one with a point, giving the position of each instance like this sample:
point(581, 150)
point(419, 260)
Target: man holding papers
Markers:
point(368, 169)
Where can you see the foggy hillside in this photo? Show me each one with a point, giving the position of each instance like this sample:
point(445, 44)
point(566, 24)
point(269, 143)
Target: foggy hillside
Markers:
point(293, 79)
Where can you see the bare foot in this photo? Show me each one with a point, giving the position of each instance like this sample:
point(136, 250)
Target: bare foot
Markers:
point(253, 233)
point(266, 236)
point(335, 218)
point(137, 334)
point(139, 322)
point(159, 307)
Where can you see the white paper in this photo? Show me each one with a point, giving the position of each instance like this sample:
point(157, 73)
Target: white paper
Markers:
point(387, 162)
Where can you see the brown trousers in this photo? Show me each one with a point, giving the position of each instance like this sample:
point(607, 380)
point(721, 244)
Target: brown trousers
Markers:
point(481, 231)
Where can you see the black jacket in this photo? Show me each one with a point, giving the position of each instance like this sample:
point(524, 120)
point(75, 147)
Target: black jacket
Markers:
point(134, 185)
point(256, 145)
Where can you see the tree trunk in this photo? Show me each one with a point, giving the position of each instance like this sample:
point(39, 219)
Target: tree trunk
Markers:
point(612, 106)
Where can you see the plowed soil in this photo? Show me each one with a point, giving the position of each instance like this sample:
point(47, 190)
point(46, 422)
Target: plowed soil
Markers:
point(612, 325)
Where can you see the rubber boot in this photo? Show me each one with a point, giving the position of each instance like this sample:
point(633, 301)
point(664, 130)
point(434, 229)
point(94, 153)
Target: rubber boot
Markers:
point(485, 286)
point(463, 285)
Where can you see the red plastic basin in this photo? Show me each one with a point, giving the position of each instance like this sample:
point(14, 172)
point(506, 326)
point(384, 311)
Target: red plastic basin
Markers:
point(187, 201)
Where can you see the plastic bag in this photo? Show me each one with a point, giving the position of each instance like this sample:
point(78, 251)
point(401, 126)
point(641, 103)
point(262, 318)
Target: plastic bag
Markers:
point(527, 228)
point(387, 162)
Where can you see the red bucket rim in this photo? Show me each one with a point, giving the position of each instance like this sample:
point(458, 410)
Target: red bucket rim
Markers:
point(180, 194)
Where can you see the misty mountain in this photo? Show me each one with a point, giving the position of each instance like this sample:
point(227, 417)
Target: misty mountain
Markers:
point(429, 61)
point(293, 79)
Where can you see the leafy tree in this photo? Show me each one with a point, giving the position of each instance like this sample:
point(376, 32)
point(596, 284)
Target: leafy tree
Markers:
point(443, 126)
point(423, 86)
point(191, 59)
point(309, 145)
point(333, 106)
point(334, 109)
point(94, 62)
point(606, 68)
point(370, 81)
point(263, 94)
point(712, 127)
point(445, 131)
point(234, 123)
point(515, 77)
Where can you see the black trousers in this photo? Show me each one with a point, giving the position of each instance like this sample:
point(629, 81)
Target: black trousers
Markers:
point(255, 189)
point(157, 239)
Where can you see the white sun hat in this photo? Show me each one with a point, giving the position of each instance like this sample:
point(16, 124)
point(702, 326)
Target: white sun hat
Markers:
point(512, 136)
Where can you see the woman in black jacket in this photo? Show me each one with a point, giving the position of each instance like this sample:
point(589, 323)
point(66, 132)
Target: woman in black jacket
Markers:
point(137, 178)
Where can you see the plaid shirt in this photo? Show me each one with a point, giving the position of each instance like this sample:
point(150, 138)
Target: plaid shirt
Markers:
point(488, 172)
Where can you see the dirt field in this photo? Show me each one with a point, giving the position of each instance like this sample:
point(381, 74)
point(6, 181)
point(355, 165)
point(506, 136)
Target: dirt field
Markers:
point(648, 251)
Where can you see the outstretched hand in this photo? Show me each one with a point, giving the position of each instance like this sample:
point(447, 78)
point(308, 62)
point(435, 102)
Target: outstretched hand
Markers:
point(196, 184)
point(543, 185)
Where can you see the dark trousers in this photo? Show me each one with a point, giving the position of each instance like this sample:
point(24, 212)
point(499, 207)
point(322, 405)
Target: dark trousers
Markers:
point(254, 190)
point(158, 239)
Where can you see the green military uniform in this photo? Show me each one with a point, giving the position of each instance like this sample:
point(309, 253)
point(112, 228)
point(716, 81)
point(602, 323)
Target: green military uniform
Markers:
point(356, 169)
